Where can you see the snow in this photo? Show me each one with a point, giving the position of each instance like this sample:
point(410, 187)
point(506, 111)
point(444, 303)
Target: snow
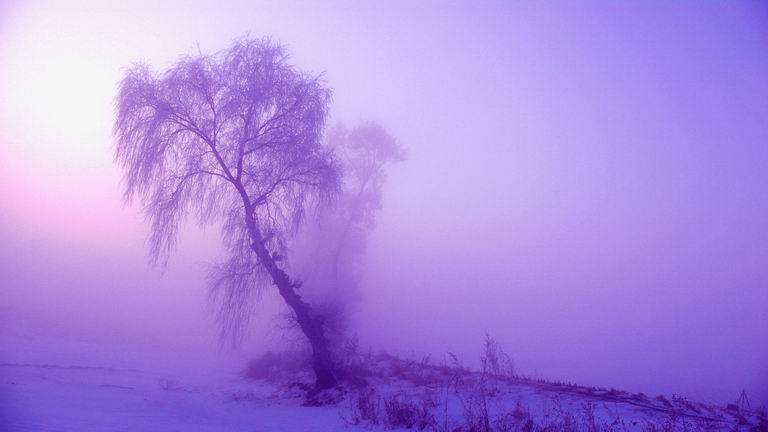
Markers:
point(70, 397)
point(82, 398)
point(62, 398)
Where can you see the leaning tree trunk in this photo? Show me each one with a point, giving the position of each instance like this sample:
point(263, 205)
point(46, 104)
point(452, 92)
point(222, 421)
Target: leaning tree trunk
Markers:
point(310, 324)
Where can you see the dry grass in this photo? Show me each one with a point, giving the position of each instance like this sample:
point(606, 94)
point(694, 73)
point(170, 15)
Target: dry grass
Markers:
point(380, 390)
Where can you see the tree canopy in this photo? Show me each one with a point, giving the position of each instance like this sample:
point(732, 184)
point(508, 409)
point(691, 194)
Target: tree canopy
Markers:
point(236, 137)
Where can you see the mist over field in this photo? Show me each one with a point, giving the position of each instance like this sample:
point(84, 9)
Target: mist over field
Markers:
point(585, 182)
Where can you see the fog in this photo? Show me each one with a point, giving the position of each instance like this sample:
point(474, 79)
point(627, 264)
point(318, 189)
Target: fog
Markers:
point(584, 182)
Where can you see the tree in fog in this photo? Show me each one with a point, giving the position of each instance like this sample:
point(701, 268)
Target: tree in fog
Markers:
point(330, 251)
point(234, 137)
point(364, 153)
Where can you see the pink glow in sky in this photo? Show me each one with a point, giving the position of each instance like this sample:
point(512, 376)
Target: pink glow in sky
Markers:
point(586, 182)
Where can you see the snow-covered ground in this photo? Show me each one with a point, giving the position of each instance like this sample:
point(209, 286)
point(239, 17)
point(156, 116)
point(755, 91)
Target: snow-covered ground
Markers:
point(79, 398)
point(56, 382)
point(450, 398)
point(71, 398)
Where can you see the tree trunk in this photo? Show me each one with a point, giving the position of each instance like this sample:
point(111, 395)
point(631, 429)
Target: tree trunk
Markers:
point(310, 324)
point(312, 327)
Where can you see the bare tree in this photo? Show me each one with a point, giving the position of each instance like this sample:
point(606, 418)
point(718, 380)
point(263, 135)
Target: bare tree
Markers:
point(234, 137)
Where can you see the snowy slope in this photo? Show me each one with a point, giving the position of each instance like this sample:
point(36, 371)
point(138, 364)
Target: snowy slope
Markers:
point(449, 399)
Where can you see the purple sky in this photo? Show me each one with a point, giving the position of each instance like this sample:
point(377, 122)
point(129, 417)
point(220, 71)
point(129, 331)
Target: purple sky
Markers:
point(587, 183)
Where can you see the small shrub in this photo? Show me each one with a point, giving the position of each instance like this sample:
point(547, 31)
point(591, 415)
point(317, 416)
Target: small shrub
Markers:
point(363, 408)
point(519, 419)
point(352, 366)
point(393, 412)
point(476, 415)
point(494, 360)
point(401, 412)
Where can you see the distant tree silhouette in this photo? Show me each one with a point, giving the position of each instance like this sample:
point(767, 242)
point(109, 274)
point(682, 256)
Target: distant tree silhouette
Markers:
point(364, 152)
point(232, 137)
point(329, 256)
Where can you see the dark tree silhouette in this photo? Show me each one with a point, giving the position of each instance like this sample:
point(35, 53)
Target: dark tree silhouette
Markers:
point(234, 137)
